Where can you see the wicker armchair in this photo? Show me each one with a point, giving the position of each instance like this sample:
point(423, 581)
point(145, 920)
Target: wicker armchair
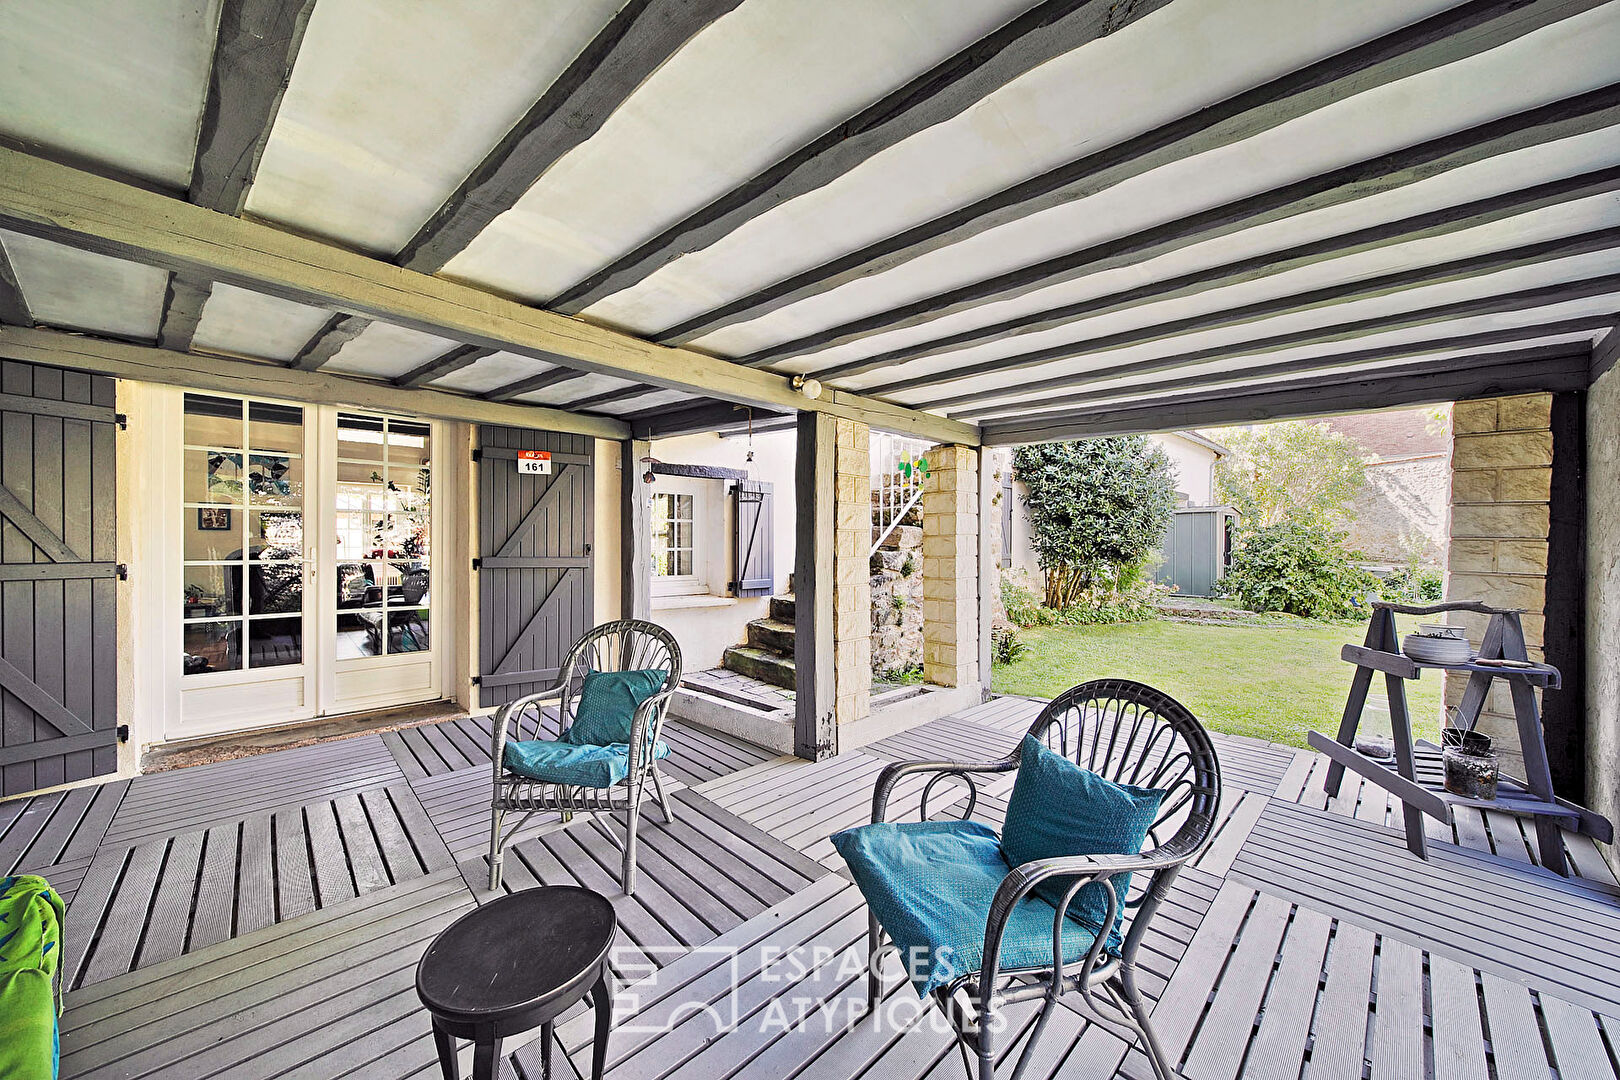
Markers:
point(1131, 734)
point(626, 645)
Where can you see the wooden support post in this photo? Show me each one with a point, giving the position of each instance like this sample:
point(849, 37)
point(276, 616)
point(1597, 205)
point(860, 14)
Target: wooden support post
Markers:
point(635, 525)
point(814, 729)
point(989, 487)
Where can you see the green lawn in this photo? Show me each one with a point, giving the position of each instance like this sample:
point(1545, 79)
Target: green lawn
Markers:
point(1272, 681)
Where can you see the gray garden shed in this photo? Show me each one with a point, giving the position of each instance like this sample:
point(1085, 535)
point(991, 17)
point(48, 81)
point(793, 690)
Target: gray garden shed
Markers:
point(1196, 549)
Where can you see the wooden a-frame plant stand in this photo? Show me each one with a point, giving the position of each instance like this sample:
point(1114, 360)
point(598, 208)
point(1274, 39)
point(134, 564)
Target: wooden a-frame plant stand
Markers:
point(1417, 777)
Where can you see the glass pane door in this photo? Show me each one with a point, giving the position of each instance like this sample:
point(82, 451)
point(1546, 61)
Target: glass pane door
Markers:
point(383, 516)
point(242, 530)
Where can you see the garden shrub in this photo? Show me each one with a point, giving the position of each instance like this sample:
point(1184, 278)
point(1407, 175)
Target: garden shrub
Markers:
point(1023, 606)
point(1414, 585)
point(1298, 566)
point(1005, 644)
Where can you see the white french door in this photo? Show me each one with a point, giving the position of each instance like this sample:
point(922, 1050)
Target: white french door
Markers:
point(305, 543)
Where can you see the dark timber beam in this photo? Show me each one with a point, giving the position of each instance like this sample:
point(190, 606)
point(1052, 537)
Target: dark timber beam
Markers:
point(13, 305)
point(44, 198)
point(1323, 299)
point(1541, 296)
point(1358, 392)
point(183, 302)
point(635, 533)
point(947, 89)
point(1267, 264)
point(339, 330)
point(530, 383)
point(815, 734)
point(1319, 362)
point(460, 357)
point(608, 397)
point(663, 422)
point(1441, 39)
point(1606, 353)
point(640, 38)
point(254, 51)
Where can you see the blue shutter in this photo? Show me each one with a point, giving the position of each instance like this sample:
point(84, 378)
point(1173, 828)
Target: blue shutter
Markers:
point(753, 540)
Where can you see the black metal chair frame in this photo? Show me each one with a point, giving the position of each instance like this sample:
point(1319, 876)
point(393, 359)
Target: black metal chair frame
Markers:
point(625, 645)
point(1130, 733)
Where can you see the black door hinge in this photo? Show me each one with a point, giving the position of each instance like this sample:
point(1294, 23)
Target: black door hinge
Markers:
point(478, 455)
point(122, 421)
point(478, 680)
point(477, 563)
point(123, 733)
point(123, 571)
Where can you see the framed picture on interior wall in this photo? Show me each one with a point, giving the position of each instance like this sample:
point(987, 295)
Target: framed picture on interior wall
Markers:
point(214, 518)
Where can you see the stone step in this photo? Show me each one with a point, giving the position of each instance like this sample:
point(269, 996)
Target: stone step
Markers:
point(775, 635)
point(782, 608)
point(903, 538)
point(760, 664)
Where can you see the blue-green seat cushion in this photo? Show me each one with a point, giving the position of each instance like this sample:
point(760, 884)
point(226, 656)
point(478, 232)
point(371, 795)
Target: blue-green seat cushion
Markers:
point(568, 763)
point(607, 705)
point(930, 885)
point(1059, 809)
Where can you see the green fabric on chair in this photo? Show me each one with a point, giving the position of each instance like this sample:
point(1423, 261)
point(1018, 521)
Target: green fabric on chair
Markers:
point(568, 763)
point(1059, 809)
point(30, 949)
point(607, 705)
point(931, 884)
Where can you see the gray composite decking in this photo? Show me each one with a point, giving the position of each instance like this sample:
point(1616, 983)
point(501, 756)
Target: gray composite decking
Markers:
point(1304, 943)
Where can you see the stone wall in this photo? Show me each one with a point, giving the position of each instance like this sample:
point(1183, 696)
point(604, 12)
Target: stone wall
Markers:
point(897, 601)
point(1603, 599)
point(1500, 485)
point(951, 568)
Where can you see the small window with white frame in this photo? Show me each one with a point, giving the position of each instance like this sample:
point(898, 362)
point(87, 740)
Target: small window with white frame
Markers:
point(674, 543)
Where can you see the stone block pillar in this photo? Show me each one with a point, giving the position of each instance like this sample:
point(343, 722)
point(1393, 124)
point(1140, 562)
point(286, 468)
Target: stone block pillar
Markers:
point(852, 589)
point(1501, 483)
point(951, 567)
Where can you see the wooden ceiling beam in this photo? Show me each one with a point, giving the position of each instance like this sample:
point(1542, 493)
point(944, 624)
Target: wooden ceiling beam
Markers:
point(461, 356)
point(530, 383)
point(664, 422)
point(14, 310)
point(1557, 369)
point(1441, 39)
point(948, 89)
point(1522, 300)
point(228, 375)
point(1605, 354)
point(57, 202)
point(339, 330)
point(608, 397)
point(1422, 226)
point(640, 38)
point(1323, 299)
point(1410, 349)
point(183, 301)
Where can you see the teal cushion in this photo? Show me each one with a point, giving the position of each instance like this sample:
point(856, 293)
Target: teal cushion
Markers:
point(1059, 809)
point(930, 885)
point(567, 763)
point(607, 704)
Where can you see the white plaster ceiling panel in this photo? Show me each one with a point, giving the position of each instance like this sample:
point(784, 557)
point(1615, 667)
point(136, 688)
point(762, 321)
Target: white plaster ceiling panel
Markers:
point(496, 369)
point(584, 386)
point(252, 324)
point(1601, 212)
point(81, 290)
point(1096, 372)
point(391, 105)
point(750, 88)
point(1391, 305)
point(1173, 62)
point(108, 80)
point(384, 350)
point(1146, 391)
point(1558, 61)
point(664, 398)
point(1480, 180)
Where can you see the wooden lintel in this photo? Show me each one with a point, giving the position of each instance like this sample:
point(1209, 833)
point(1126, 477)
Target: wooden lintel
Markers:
point(1605, 354)
point(147, 363)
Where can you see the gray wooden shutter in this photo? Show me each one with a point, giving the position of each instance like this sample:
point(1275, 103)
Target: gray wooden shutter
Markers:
point(1007, 498)
point(534, 565)
point(753, 538)
point(58, 578)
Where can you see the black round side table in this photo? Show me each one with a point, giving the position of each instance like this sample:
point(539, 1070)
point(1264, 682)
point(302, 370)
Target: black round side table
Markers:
point(515, 964)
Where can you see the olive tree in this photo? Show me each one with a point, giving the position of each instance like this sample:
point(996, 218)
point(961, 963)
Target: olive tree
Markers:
point(1097, 509)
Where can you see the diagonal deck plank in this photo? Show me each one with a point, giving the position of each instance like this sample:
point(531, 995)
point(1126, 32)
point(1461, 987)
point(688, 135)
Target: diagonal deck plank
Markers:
point(166, 803)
